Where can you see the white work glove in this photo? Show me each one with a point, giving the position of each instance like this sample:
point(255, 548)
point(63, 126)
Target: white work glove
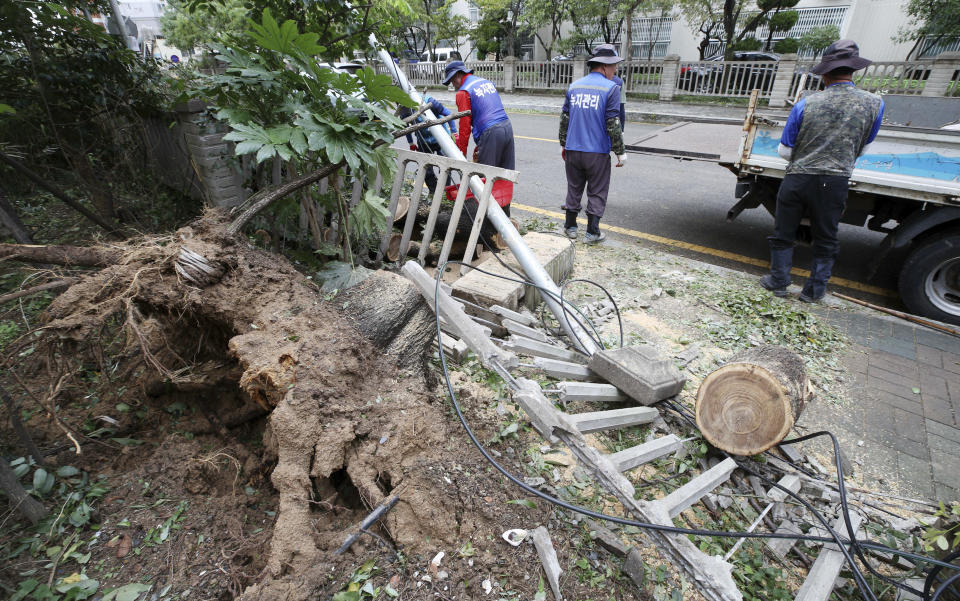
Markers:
point(621, 158)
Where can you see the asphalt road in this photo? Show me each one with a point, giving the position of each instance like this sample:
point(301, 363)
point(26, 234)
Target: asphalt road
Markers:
point(685, 202)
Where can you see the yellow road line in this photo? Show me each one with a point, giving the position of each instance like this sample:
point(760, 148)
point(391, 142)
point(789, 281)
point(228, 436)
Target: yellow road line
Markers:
point(713, 252)
point(538, 139)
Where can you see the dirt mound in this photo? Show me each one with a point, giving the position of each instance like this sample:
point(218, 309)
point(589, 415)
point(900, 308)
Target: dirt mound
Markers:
point(239, 334)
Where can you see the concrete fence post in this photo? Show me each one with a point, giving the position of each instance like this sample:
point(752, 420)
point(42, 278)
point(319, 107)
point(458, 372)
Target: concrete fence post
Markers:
point(668, 77)
point(941, 74)
point(783, 80)
point(212, 157)
point(509, 73)
point(579, 68)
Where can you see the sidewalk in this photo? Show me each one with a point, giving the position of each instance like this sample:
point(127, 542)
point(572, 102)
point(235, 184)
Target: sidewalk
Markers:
point(903, 422)
point(650, 111)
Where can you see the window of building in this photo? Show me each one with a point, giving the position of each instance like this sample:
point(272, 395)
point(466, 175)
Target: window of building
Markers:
point(651, 37)
point(473, 13)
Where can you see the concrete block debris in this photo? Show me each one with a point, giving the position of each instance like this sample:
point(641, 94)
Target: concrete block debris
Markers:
point(640, 372)
point(548, 557)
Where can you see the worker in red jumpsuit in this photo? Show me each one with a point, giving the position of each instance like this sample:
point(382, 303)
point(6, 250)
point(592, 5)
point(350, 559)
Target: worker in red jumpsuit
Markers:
point(489, 124)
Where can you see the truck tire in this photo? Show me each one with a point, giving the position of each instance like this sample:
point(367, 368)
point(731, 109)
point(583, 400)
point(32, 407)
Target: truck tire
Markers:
point(929, 280)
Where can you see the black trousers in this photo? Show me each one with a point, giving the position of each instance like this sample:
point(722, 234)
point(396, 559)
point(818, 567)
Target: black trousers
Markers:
point(495, 146)
point(590, 170)
point(822, 198)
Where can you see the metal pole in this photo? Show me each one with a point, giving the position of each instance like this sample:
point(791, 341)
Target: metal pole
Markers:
point(568, 318)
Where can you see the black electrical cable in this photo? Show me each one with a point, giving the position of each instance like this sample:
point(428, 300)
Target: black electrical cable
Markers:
point(932, 575)
point(523, 279)
point(659, 527)
point(845, 510)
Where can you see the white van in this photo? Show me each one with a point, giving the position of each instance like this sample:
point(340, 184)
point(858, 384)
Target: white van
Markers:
point(441, 55)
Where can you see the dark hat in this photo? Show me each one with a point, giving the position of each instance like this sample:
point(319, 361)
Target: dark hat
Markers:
point(454, 67)
point(605, 54)
point(842, 53)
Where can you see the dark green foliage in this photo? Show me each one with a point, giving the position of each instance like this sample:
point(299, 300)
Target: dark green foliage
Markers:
point(787, 46)
point(783, 21)
point(748, 44)
point(74, 93)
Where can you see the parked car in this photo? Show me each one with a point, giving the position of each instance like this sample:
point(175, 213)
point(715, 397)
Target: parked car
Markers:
point(726, 77)
point(441, 55)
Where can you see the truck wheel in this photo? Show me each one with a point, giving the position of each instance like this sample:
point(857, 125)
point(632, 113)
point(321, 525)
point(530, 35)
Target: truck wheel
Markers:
point(929, 280)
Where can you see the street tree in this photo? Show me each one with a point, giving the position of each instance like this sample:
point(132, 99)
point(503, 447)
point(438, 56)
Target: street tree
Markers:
point(188, 29)
point(544, 19)
point(498, 31)
point(817, 39)
point(931, 21)
point(705, 18)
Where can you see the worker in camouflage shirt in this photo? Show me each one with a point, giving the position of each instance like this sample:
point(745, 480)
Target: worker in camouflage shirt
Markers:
point(589, 130)
point(824, 135)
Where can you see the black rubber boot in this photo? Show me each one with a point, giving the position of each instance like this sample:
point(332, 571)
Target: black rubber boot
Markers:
point(570, 225)
point(816, 285)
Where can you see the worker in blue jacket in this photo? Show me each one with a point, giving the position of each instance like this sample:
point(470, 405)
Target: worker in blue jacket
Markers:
point(425, 142)
point(589, 129)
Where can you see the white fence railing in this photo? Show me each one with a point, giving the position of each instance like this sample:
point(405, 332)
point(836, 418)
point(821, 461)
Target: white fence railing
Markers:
point(778, 81)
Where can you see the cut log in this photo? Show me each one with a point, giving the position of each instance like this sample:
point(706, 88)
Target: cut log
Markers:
point(751, 403)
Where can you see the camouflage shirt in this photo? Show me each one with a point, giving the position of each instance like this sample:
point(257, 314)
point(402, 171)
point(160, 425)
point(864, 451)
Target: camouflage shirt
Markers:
point(828, 131)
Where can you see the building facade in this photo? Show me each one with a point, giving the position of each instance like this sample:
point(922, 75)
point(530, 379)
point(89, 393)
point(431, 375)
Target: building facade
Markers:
point(873, 24)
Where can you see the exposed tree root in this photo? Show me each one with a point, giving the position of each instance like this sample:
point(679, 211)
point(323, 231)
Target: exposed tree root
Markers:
point(347, 426)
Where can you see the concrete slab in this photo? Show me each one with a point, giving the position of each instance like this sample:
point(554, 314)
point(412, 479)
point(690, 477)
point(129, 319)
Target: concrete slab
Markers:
point(781, 546)
point(588, 391)
point(596, 421)
point(640, 372)
point(563, 370)
point(521, 330)
point(628, 459)
point(692, 491)
point(823, 575)
point(553, 252)
point(533, 348)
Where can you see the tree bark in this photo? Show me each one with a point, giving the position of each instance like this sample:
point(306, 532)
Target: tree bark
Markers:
point(55, 285)
point(9, 218)
point(83, 256)
point(391, 313)
point(751, 403)
point(31, 508)
point(25, 439)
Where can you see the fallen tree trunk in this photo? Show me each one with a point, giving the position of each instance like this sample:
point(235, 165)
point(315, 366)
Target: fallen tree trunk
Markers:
point(54, 285)
point(31, 508)
point(391, 314)
point(750, 404)
point(82, 256)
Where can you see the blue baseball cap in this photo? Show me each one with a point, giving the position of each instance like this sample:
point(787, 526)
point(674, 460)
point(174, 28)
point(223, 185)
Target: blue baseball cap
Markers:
point(454, 67)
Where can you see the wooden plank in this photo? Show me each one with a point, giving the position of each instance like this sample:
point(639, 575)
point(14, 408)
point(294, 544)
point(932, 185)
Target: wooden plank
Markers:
point(595, 421)
point(692, 491)
point(628, 459)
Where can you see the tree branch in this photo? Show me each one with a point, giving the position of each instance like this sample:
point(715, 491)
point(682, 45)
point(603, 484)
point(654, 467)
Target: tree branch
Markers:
point(17, 165)
point(265, 198)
